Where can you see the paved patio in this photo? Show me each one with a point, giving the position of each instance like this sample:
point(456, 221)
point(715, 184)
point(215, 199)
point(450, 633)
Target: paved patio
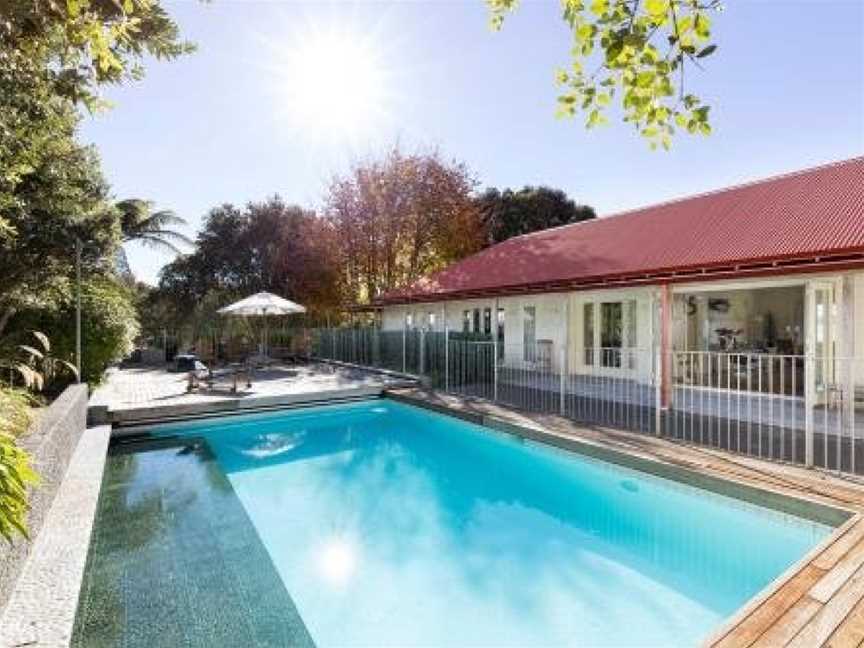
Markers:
point(133, 393)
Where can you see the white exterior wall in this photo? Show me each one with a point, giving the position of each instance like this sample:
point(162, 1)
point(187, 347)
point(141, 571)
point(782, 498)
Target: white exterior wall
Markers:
point(551, 318)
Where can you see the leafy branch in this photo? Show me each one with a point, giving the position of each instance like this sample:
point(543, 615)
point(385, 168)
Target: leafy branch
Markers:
point(641, 49)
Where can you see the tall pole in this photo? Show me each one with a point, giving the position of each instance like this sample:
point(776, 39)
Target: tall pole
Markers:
point(78, 307)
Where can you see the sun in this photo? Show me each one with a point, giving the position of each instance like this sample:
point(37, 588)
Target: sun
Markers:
point(332, 84)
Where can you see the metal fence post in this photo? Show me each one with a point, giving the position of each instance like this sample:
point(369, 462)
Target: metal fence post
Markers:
point(563, 384)
point(333, 343)
point(809, 388)
point(404, 359)
point(494, 372)
point(446, 355)
point(658, 393)
point(376, 347)
point(422, 352)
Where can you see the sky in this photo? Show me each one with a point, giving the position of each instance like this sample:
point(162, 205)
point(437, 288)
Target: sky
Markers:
point(281, 96)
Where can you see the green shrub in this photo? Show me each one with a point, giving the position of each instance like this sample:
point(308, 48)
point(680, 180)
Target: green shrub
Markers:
point(15, 470)
point(109, 324)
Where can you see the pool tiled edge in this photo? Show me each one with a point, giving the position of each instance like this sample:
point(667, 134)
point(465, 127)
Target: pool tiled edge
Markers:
point(41, 610)
point(818, 601)
point(193, 543)
point(815, 511)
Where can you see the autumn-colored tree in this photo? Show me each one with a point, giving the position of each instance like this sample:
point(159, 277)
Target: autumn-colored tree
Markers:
point(401, 217)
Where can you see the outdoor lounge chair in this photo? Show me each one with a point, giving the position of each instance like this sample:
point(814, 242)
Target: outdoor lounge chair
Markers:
point(211, 377)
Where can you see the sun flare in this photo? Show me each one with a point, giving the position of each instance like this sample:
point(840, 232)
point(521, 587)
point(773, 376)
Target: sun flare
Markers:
point(337, 560)
point(333, 84)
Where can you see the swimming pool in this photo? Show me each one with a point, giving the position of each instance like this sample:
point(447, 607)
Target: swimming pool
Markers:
point(377, 523)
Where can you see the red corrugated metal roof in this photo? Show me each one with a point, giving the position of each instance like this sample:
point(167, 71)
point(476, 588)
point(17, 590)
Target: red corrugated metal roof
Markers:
point(783, 220)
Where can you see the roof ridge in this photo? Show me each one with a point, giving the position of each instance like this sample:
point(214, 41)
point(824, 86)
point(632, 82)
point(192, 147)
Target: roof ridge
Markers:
point(702, 194)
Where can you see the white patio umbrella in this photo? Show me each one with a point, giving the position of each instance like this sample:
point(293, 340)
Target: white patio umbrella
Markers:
point(262, 304)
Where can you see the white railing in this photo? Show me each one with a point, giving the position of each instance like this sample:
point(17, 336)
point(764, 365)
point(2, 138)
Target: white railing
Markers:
point(791, 408)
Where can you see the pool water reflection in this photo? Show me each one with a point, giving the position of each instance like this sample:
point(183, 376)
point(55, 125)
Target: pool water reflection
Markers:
point(392, 525)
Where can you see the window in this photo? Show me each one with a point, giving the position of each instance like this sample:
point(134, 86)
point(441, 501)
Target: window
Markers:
point(529, 333)
point(588, 332)
point(466, 321)
point(476, 328)
point(487, 321)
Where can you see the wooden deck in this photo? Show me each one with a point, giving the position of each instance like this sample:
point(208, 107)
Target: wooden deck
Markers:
point(817, 602)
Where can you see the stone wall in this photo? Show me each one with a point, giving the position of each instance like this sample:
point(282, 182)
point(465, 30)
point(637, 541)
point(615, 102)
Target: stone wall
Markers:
point(51, 442)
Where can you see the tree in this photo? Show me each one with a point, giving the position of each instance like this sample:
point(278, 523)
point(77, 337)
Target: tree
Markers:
point(399, 218)
point(268, 246)
point(138, 222)
point(78, 45)
point(63, 197)
point(513, 213)
point(154, 229)
point(635, 53)
point(53, 55)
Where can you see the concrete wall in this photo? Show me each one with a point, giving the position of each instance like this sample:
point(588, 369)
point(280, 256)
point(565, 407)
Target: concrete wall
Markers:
point(50, 442)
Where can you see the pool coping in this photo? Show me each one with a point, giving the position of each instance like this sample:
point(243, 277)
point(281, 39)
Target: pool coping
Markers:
point(817, 601)
point(238, 405)
point(41, 610)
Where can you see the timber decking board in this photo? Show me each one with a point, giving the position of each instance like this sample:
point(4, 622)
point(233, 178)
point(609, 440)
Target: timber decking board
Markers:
point(833, 613)
point(770, 610)
point(819, 602)
point(840, 547)
point(790, 624)
point(834, 579)
point(851, 631)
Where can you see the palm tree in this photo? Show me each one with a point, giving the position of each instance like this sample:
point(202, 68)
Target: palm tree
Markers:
point(155, 229)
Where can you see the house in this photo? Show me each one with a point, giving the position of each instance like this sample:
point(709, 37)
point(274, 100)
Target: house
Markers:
point(754, 293)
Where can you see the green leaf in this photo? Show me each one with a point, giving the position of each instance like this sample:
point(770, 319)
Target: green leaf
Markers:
point(707, 51)
point(657, 7)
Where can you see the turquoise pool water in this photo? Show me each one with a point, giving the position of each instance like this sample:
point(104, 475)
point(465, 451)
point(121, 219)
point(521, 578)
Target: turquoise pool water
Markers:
point(391, 525)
